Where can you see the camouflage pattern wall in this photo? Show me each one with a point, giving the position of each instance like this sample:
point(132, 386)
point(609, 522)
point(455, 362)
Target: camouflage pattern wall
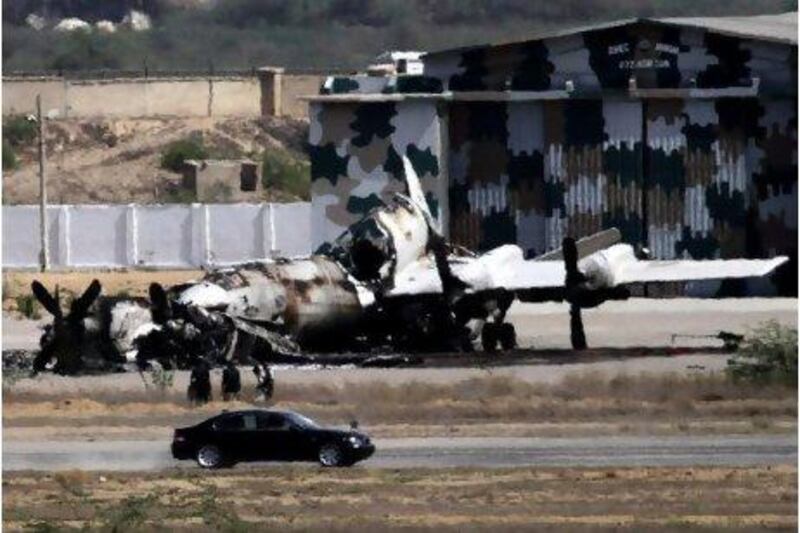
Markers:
point(356, 163)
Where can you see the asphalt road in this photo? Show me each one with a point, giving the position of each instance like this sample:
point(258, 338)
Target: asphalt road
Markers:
point(444, 452)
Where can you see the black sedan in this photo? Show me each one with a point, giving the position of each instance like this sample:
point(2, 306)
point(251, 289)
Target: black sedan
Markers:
point(260, 435)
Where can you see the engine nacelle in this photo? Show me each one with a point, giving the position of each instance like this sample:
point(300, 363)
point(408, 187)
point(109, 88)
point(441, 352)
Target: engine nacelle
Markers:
point(601, 267)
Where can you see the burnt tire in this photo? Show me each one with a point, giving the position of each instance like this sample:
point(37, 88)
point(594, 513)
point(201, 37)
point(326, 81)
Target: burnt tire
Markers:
point(508, 336)
point(489, 337)
point(210, 456)
point(332, 455)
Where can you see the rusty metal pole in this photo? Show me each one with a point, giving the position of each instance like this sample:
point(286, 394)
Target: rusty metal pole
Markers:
point(44, 259)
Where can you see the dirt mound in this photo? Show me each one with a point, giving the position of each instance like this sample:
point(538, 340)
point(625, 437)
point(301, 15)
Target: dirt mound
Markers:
point(118, 160)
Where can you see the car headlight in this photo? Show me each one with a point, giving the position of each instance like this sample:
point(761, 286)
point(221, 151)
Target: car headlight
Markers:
point(354, 440)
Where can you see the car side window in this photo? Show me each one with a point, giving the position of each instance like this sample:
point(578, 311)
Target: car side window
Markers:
point(249, 422)
point(272, 421)
point(230, 423)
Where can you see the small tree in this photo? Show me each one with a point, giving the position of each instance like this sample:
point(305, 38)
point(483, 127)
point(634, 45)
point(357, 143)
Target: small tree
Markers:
point(9, 157)
point(19, 131)
point(767, 355)
point(174, 155)
point(283, 172)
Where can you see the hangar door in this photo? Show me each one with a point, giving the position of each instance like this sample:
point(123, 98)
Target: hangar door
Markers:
point(533, 172)
point(593, 168)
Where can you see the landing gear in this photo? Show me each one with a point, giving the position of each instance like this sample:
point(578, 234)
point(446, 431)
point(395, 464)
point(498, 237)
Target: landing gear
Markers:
point(502, 333)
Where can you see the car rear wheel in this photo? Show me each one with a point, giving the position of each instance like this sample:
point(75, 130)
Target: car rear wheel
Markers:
point(331, 455)
point(210, 456)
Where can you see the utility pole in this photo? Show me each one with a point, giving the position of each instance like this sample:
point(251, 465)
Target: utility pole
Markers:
point(43, 255)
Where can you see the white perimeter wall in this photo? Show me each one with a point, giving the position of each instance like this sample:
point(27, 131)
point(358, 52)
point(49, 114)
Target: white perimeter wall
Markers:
point(156, 236)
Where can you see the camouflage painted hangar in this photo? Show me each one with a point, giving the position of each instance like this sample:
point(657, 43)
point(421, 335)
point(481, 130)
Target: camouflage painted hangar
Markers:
point(681, 132)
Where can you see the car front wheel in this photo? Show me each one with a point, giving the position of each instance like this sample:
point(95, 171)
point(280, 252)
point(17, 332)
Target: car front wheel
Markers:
point(331, 455)
point(210, 456)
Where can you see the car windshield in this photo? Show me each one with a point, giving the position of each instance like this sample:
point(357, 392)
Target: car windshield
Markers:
point(301, 421)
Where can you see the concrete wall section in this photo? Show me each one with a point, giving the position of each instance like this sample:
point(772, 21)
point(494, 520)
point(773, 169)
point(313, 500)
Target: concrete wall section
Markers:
point(295, 86)
point(156, 236)
point(155, 97)
point(19, 96)
point(236, 97)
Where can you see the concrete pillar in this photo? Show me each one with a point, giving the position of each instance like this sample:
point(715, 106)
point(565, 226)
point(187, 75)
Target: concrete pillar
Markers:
point(271, 81)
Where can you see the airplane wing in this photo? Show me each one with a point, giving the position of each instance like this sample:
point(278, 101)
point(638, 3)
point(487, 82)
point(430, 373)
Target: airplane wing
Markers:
point(646, 271)
point(505, 268)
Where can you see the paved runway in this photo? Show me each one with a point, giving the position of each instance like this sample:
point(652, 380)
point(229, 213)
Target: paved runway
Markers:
point(725, 450)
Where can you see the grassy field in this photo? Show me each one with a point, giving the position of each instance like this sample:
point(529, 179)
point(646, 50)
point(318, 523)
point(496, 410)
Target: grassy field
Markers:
point(581, 404)
point(313, 499)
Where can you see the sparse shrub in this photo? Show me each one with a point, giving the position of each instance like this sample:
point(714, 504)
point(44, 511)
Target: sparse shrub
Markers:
point(130, 513)
point(11, 376)
point(18, 130)
point(73, 481)
point(41, 526)
point(284, 172)
point(174, 155)
point(219, 516)
point(28, 306)
point(9, 157)
point(767, 355)
point(162, 379)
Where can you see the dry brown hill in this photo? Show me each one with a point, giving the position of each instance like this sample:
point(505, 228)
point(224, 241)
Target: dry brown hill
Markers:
point(118, 160)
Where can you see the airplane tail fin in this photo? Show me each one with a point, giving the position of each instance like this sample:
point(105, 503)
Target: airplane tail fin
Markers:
point(587, 245)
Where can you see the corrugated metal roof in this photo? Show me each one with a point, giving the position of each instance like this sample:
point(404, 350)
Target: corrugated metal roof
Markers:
point(781, 28)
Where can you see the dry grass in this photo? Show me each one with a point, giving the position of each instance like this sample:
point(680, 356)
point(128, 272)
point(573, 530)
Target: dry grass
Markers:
point(623, 403)
point(131, 283)
point(302, 498)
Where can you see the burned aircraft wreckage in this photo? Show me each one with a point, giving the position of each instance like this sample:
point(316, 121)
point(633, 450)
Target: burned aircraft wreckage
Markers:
point(391, 281)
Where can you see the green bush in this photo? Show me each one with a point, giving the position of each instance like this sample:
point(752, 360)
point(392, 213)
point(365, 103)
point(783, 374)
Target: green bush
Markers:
point(9, 157)
point(28, 306)
point(18, 130)
point(768, 355)
point(176, 153)
point(162, 379)
point(283, 172)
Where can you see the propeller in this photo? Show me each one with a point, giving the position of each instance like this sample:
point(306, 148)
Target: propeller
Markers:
point(63, 341)
point(573, 281)
point(79, 308)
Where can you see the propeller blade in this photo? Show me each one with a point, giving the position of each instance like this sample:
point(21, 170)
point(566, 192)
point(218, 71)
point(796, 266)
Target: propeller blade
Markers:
point(46, 299)
point(577, 335)
point(159, 304)
point(570, 251)
point(80, 306)
point(572, 283)
point(450, 283)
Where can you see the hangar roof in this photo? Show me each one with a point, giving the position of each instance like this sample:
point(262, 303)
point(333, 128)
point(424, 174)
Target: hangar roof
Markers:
point(780, 28)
